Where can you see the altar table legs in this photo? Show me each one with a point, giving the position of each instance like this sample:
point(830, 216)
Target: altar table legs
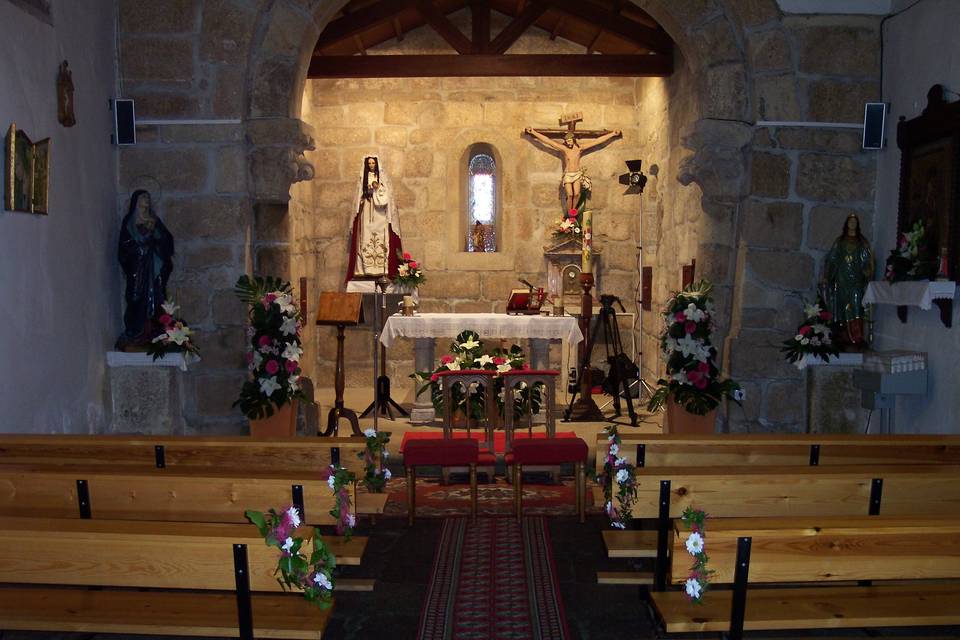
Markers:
point(539, 354)
point(422, 361)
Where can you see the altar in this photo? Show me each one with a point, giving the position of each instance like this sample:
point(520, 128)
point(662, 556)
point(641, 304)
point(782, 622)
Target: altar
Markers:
point(425, 327)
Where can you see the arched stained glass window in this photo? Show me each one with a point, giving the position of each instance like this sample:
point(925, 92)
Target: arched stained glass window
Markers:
point(481, 199)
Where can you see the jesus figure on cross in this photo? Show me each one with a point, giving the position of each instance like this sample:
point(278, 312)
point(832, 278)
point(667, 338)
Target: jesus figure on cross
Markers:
point(572, 150)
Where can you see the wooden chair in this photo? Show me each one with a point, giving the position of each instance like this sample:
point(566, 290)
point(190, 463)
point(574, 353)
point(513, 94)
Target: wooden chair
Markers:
point(436, 452)
point(517, 378)
point(549, 451)
point(204, 580)
point(753, 551)
point(467, 378)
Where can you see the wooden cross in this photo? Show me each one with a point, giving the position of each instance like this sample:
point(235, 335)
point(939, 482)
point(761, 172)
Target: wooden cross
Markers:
point(571, 120)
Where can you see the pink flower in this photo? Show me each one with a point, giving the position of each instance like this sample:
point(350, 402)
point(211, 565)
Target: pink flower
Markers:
point(805, 329)
point(701, 383)
point(572, 213)
point(825, 315)
point(434, 377)
point(268, 300)
point(166, 319)
point(703, 367)
point(272, 366)
point(413, 264)
point(447, 359)
point(525, 366)
point(679, 316)
point(690, 326)
point(291, 365)
point(264, 341)
point(249, 357)
point(499, 360)
point(406, 256)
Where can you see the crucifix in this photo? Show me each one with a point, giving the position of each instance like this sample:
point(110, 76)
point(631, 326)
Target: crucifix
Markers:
point(574, 178)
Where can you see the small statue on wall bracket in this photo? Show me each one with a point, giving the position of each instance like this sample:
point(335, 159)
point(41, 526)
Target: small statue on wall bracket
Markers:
point(479, 237)
point(65, 111)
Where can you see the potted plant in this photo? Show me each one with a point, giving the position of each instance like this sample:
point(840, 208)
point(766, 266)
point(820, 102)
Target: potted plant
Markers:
point(692, 390)
point(269, 397)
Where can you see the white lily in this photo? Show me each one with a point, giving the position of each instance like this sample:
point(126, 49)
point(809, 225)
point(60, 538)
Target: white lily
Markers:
point(169, 308)
point(622, 476)
point(469, 345)
point(484, 360)
point(614, 449)
point(331, 481)
point(289, 326)
point(386, 474)
point(692, 587)
point(812, 310)
point(351, 520)
point(503, 368)
point(370, 433)
point(287, 545)
point(454, 366)
point(268, 386)
point(294, 516)
point(292, 351)
point(322, 580)
point(179, 335)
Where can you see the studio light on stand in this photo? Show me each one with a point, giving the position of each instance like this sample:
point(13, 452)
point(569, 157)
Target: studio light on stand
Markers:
point(635, 180)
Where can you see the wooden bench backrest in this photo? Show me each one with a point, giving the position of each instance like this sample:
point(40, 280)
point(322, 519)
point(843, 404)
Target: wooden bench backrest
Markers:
point(827, 549)
point(665, 450)
point(253, 454)
point(132, 554)
point(774, 491)
point(187, 495)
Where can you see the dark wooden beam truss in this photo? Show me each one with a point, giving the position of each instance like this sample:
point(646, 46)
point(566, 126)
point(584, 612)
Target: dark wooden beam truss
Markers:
point(479, 55)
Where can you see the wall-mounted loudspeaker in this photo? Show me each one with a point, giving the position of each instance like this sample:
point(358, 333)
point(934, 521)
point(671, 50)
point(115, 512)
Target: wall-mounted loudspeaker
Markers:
point(874, 117)
point(124, 122)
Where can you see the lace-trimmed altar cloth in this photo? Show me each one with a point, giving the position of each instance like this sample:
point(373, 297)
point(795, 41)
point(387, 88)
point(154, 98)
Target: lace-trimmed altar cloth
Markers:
point(919, 293)
point(490, 326)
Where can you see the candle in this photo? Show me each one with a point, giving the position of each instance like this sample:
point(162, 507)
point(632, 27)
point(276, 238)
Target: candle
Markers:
point(587, 262)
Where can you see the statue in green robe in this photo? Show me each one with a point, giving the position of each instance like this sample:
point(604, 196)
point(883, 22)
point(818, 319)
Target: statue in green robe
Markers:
point(848, 269)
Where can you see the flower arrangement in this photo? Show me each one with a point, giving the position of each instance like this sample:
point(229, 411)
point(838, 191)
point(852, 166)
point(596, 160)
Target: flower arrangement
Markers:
point(699, 581)
point(910, 259)
point(409, 272)
point(616, 469)
point(693, 376)
point(571, 224)
point(313, 575)
point(274, 350)
point(375, 480)
point(466, 352)
point(341, 481)
point(175, 337)
point(813, 336)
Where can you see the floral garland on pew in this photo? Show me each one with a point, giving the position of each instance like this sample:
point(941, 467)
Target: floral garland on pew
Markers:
point(340, 481)
point(375, 480)
point(616, 469)
point(313, 575)
point(699, 581)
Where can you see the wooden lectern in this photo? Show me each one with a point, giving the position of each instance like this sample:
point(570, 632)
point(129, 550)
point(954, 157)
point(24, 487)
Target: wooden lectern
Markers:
point(340, 310)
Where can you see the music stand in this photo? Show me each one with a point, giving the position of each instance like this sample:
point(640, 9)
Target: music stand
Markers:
point(340, 310)
point(382, 401)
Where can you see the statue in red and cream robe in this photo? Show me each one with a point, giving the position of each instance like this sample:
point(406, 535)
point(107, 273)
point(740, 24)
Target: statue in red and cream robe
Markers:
point(375, 239)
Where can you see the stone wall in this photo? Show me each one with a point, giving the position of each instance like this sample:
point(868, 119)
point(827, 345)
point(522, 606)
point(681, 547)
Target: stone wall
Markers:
point(756, 203)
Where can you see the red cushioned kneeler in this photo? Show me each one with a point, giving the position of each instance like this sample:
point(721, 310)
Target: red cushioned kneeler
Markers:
point(443, 452)
point(544, 452)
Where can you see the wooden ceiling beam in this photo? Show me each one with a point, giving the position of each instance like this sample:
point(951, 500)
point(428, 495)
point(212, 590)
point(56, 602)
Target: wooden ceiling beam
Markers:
point(557, 26)
point(653, 39)
point(397, 28)
point(480, 21)
point(487, 65)
point(518, 25)
point(439, 23)
point(355, 23)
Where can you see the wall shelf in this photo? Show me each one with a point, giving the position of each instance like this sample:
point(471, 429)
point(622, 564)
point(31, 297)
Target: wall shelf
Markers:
point(920, 293)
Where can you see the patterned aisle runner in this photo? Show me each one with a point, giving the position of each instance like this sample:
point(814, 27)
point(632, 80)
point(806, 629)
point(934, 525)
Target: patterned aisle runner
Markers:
point(493, 580)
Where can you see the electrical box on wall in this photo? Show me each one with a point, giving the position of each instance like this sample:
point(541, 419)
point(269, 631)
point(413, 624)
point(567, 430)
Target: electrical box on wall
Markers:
point(874, 119)
point(124, 121)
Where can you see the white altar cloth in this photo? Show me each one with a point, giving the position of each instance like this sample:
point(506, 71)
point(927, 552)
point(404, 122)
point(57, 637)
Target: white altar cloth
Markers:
point(490, 326)
point(919, 293)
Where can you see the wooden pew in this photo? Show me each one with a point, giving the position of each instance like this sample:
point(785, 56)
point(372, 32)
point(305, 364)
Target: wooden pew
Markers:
point(792, 450)
point(194, 563)
point(175, 453)
point(821, 550)
point(735, 492)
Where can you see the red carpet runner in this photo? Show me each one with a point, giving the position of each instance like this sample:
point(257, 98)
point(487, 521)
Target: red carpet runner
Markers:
point(493, 580)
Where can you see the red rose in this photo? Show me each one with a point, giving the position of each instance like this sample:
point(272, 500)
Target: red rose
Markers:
point(272, 367)
point(679, 316)
point(406, 256)
point(413, 264)
point(447, 359)
point(825, 315)
point(690, 326)
point(165, 319)
point(264, 341)
point(572, 213)
point(703, 367)
point(805, 329)
point(434, 377)
point(498, 360)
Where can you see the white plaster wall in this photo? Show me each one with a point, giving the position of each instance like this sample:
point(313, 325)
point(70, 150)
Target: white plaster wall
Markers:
point(921, 49)
point(59, 283)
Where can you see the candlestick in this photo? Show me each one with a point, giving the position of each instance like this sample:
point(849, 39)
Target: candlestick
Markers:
point(586, 265)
